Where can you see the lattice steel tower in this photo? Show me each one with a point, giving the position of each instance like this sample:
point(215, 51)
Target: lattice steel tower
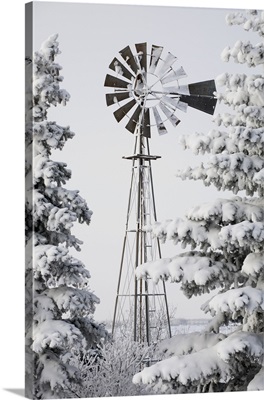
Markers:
point(142, 83)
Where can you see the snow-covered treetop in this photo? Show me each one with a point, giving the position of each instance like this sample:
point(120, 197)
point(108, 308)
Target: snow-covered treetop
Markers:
point(246, 52)
point(45, 89)
point(250, 20)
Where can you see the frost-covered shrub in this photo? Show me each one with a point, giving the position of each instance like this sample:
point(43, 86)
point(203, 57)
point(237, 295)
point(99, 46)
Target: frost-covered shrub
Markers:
point(110, 375)
point(227, 243)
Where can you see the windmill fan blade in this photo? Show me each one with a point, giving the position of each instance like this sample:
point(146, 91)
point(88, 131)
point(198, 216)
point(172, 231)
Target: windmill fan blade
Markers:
point(175, 103)
point(160, 126)
point(127, 55)
point(154, 58)
point(206, 88)
point(132, 123)
point(169, 114)
point(202, 103)
point(120, 69)
point(112, 98)
point(122, 111)
point(142, 55)
point(174, 75)
point(112, 81)
point(170, 59)
point(183, 89)
point(175, 90)
point(146, 123)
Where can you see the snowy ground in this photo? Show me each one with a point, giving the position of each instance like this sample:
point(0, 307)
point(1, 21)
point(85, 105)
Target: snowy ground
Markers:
point(195, 325)
point(184, 326)
point(187, 325)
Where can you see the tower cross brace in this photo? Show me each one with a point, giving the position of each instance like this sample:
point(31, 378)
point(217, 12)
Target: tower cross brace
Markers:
point(142, 303)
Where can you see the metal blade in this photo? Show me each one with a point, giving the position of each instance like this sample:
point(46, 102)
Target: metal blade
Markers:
point(146, 123)
point(205, 88)
point(160, 126)
point(183, 89)
point(142, 55)
point(169, 60)
point(122, 111)
point(169, 114)
point(154, 58)
point(175, 103)
point(127, 55)
point(112, 81)
point(132, 123)
point(120, 69)
point(113, 98)
point(174, 75)
point(203, 103)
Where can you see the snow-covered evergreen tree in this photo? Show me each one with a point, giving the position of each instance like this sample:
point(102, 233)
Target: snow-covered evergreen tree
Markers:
point(227, 242)
point(59, 304)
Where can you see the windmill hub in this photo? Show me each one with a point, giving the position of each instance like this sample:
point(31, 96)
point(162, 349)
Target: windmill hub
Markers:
point(147, 90)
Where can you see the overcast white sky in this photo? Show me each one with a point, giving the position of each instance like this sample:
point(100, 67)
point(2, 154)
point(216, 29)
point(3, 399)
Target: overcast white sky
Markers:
point(90, 36)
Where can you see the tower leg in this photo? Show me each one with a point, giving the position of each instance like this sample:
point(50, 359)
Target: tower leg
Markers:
point(145, 301)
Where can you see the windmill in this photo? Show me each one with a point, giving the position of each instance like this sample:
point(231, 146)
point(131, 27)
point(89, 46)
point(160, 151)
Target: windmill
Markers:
point(146, 93)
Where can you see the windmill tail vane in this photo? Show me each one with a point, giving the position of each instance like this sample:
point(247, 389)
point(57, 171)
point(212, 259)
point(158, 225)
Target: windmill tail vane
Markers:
point(147, 91)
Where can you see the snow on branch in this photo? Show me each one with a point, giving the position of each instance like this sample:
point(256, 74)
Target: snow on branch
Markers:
point(236, 302)
point(198, 273)
point(185, 344)
point(253, 265)
point(233, 82)
point(50, 47)
point(251, 20)
point(54, 376)
point(228, 172)
point(189, 232)
point(55, 334)
point(45, 309)
point(254, 115)
point(243, 235)
point(207, 234)
point(215, 363)
point(92, 331)
point(237, 140)
point(259, 177)
point(59, 217)
point(240, 342)
point(73, 301)
point(241, 89)
point(199, 143)
point(55, 266)
point(51, 172)
point(72, 200)
point(195, 367)
point(46, 78)
point(245, 53)
point(48, 135)
point(245, 116)
point(226, 211)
